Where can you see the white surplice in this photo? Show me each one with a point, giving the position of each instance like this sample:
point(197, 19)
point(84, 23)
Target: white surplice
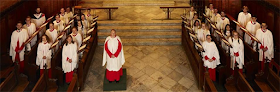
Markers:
point(113, 64)
point(85, 24)
point(191, 14)
point(222, 22)
point(252, 27)
point(209, 12)
point(243, 19)
point(215, 17)
point(58, 25)
point(18, 36)
point(237, 47)
point(69, 52)
point(44, 50)
point(38, 19)
point(201, 35)
point(211, 52)
point(226, 35)
point(52, 34)
point(266, 38)
point(82, 31)
point(89, 17)
point(31, 29)
point(77, 38)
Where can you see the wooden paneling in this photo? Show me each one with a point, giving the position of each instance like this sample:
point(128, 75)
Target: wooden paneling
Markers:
point(5, 4)
point(19, 11)
point(268, 14)
point(8, 22)
point(266, 11)
point(232, 7)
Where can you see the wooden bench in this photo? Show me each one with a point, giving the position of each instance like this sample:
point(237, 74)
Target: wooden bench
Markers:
point(271, 81)
point(30, 64)
point(194, 57)
point(5, 66)
point(239, 83)
point(14, 82)
point(251, 62)
point(73, 87)
point(208, 84)
point(56, 66)
point(44, 84)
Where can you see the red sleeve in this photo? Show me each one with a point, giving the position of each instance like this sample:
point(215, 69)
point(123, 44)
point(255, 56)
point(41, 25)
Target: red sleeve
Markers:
point(206, 58)
point(67, 59)
point(213, 58)
point(119, 49)
point(107, 50)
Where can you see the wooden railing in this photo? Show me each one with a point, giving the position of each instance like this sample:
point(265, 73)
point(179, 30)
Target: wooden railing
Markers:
point(110, 10)
point(170, 8)
point(193, 54)
point(243, 29)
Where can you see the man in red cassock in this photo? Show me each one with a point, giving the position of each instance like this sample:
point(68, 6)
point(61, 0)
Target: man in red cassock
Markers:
point(113, 55)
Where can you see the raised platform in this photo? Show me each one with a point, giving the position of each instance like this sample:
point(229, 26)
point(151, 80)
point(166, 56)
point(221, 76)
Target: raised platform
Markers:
point(115, 86)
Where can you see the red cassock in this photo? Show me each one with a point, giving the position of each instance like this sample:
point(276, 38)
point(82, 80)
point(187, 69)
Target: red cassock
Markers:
point(113, 47)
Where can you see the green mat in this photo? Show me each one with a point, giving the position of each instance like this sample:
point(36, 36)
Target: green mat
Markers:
point(115, 86)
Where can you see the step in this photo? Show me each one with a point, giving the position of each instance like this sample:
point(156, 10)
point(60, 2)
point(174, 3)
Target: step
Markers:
point(140, 30)
point(156, 41)
point(142, 35)
point(139, 27)
point(137, 3)
point(143, 21)
point(139, 24)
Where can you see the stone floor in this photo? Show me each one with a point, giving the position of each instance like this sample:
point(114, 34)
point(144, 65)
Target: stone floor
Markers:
point(149, 68)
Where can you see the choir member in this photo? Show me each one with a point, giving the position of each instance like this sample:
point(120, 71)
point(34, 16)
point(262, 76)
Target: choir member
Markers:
point(31, 28)
point(196, 26)
point(266, 49)
point(81, 29)
point(211, 57)
point(215, 17)
point(68, 13)
point(222, 21)
point(63, 16)
point(252, 26)
point(52, 33)
point(195, 18)
point(17, 46)
point(58, 23)
point(191, 13)
point(44, 55)
point(202, 32)
point(77, 37)
point(243, 18)
point(226, 34)
point(209, 11)
point(113, 55)
point(236, 52)
point(84, 21)
point(38, 19)
point(89, 17)
point(69, 58)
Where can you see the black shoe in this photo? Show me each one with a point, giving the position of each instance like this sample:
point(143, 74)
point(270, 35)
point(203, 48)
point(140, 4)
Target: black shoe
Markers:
point(117, 81)
point(110, 81)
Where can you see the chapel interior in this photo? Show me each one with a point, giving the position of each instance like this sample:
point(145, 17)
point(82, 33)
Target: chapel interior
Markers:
point(161, 48)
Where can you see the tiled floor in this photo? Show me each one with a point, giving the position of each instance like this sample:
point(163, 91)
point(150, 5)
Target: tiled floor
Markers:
point(149, 68)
